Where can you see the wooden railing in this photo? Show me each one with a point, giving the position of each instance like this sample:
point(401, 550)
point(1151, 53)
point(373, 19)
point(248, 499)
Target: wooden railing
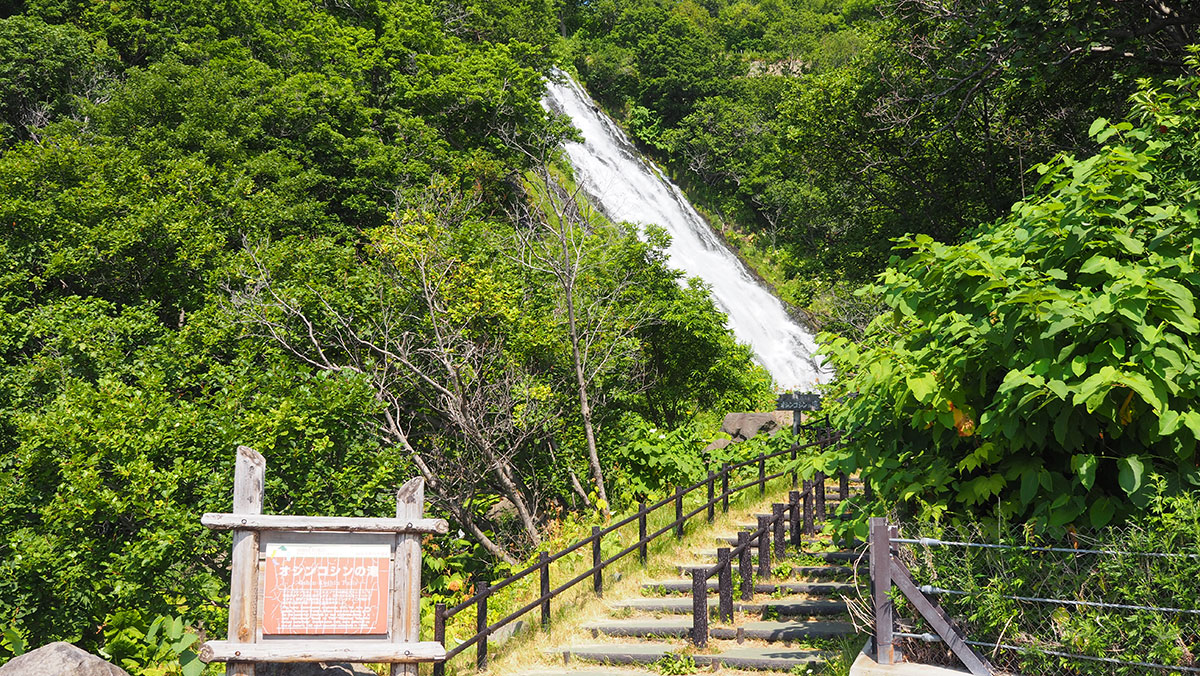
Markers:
point(814, 502)
point(802, 512)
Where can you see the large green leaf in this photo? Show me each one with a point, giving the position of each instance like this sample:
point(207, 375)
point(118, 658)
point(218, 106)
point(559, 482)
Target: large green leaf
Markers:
point(1131, 472)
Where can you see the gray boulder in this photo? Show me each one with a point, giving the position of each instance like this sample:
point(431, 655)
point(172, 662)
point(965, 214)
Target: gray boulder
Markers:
point(60, 659)
point(718, 444)
point(743, 426)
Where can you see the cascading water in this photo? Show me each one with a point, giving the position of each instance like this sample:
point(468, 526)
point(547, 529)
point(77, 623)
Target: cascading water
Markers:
point(626, 187)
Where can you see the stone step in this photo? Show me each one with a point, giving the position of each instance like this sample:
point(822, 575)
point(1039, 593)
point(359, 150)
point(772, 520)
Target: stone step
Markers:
point(787, 528)
point(619, 653)
point(740, 657)
point(829, 509)
point(682, 628)
point(832, 557)
point(811, 588)
point(816, 572)
point(791, 607)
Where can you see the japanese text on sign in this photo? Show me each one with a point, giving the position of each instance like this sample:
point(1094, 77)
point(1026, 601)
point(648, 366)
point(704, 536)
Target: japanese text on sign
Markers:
point(314, 589)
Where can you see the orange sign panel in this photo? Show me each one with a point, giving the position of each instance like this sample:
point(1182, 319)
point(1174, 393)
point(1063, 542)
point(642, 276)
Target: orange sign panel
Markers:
point(312, 589)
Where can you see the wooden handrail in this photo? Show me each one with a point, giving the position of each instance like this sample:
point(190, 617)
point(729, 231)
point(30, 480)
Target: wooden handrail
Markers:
point(442, 613)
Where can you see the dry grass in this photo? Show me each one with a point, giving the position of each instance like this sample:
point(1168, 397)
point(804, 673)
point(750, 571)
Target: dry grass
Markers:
point(527, 651)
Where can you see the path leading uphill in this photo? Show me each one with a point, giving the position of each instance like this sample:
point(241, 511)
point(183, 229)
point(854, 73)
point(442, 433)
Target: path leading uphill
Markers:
point(796, 620)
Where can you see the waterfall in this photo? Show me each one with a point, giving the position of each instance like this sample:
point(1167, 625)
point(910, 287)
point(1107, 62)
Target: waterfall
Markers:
point(627, 187)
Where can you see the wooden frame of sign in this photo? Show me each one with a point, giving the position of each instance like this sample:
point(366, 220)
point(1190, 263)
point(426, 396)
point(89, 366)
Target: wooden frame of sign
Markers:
point(322, 589)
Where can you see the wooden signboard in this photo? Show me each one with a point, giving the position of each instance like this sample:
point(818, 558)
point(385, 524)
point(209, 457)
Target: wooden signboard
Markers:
point(322, 589)
point(798, 401)
point(325, 589)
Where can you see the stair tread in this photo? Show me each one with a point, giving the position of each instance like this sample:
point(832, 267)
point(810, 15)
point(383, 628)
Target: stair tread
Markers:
point(760, 657)
point(812, 571)
point(794, 587)
point(828, 556)
point(792, 606)
point(681, 627)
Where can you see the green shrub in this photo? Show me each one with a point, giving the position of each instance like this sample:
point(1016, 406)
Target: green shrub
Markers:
point(1048, 365)
point(1123, 577)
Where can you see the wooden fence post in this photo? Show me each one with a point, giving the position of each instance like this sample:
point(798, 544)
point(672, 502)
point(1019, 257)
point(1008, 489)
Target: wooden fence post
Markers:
point(249, 471)
point(678, 512)
point(725, 488)
point(881, 584)
point(819, 483)
point(762, 474)
point(439, 635)
point(777, 529)
point(725, 585)
point(795, 475)
point(406, 573)
point(712, 487)
point(764, 548)
point(699, 608)
point(544, 587)
point(598, 573)
point(794, 517)
point(843, 486)
point(642, 532)
point(809, 528)
point(745, 566)
point(481, 625)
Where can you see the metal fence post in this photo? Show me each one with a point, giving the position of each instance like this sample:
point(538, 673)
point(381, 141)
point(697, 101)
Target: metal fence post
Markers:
point(745, 566)
point(777, 529)
point(544, 574)
point(762, 474)
point(678, 512)
point(794, 517)
point(724, 488)
point(712, 487)
point(481, 625)
point(699, 608)
point(642, 532)
point(881, 584)
point(764, 548)
point(725, 585)
point(809, 528)
point(598, 573)
point(439, 635)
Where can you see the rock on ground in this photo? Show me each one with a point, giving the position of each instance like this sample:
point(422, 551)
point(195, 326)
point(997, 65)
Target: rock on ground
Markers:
point(60, 659)
point(743, 426)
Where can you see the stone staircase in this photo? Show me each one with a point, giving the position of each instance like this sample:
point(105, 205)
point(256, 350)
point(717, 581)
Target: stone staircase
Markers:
point(796, 620)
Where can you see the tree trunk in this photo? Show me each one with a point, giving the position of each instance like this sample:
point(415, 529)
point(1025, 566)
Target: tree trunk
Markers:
point(459, 513)
point(585, 408)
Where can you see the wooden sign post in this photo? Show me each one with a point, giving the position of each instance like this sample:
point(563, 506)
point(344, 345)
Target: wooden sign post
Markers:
point(320, 588)
point(798, 403)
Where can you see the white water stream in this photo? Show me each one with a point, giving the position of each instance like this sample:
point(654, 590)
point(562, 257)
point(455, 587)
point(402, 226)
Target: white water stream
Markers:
point(627, 187)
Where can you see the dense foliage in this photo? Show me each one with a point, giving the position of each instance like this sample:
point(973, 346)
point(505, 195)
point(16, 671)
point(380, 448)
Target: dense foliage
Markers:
point(827, 128)
point(162, 162)
point(1046, 367)
point(1129, 599)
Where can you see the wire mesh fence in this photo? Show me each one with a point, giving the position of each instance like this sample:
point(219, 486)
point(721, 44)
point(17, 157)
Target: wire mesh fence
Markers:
point(1119, 600)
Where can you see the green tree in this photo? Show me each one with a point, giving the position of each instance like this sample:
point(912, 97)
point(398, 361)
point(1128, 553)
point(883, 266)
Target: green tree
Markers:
point(1044, 367)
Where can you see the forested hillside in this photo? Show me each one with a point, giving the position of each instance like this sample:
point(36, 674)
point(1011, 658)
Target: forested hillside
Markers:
point(342, 233)
point(335, 233)
point(823, 129)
